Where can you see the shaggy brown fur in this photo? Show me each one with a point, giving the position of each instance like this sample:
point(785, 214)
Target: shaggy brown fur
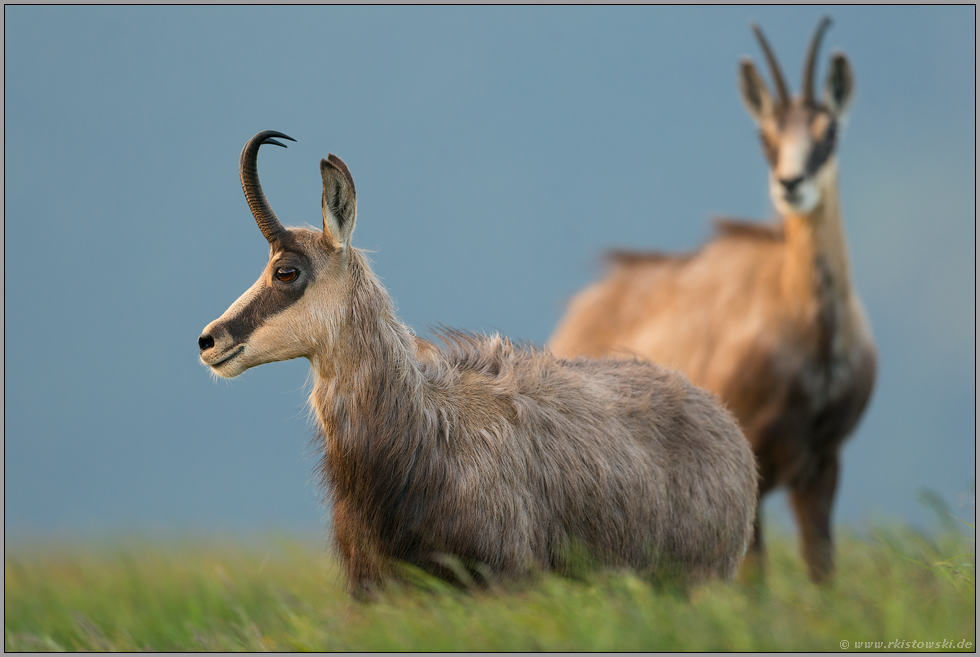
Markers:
point(501, 456)
point(765, 316)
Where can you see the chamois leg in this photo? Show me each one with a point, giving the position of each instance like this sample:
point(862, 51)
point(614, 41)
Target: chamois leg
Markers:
point(363, 560)
point(813, 500)
point(753, 568)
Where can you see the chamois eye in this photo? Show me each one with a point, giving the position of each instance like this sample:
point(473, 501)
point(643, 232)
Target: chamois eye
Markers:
point(286, 274)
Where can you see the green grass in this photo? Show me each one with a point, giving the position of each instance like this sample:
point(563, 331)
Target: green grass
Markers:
point(895, 585)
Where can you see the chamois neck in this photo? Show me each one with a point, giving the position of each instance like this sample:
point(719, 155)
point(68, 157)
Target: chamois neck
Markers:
point(816, 250)
point(371, 375)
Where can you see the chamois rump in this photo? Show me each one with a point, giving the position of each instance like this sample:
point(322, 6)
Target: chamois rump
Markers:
point(501, 456)
point(765, 316)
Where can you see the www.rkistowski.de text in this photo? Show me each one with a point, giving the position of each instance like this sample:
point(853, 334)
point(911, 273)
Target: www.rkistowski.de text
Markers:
point(900, 644)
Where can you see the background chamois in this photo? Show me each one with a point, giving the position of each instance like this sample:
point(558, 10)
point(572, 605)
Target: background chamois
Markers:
point(501, 456)
point(763, 315)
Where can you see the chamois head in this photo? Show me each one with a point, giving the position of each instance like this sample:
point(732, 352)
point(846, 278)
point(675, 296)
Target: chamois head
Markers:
point(294, 308)
point(798, 134)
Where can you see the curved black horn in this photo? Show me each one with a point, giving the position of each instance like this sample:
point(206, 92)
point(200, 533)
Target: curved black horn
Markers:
point(811, 60)
point(777, 76)
point(267, 220)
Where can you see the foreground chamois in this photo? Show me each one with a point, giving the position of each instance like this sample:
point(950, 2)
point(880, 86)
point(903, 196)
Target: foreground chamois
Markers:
point(501, 457)
point(763, 315)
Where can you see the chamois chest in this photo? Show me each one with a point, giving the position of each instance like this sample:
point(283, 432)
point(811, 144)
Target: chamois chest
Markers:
point(802, 385)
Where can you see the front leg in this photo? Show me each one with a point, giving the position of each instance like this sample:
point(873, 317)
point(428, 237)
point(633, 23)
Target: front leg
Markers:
point(365, 563)
point(813, 500)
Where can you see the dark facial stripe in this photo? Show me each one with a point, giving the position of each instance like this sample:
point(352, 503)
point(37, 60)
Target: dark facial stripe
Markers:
point(822, 150)
point(270, 300)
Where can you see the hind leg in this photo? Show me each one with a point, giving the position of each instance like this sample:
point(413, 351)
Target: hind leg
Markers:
point(813, 500)
point(753, 570)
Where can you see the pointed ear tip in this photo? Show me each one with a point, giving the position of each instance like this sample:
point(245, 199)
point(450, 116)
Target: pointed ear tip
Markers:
point(333, 162)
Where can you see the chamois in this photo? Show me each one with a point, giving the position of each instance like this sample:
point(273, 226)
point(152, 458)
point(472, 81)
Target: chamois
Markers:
point(763, 315)
point(498, 455)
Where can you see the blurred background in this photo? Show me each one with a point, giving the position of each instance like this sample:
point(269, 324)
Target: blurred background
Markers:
point(497, 152)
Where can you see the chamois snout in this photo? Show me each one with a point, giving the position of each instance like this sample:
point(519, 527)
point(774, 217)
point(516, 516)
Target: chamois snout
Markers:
point(217, 346)
point(791, 184)
point(214, 340)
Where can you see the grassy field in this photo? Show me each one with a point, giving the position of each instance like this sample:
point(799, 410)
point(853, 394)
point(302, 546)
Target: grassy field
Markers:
point(894, 585)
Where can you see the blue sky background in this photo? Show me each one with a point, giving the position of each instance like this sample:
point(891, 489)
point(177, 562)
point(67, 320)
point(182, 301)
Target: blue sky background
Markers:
point(497, 152)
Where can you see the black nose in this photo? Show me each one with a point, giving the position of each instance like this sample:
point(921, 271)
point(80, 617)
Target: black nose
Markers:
point(205, 342)
point(790, 184)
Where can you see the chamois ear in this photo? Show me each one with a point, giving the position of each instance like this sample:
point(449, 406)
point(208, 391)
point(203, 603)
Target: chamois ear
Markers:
point(754, 92)
point(839, 90)
point(339, 201)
